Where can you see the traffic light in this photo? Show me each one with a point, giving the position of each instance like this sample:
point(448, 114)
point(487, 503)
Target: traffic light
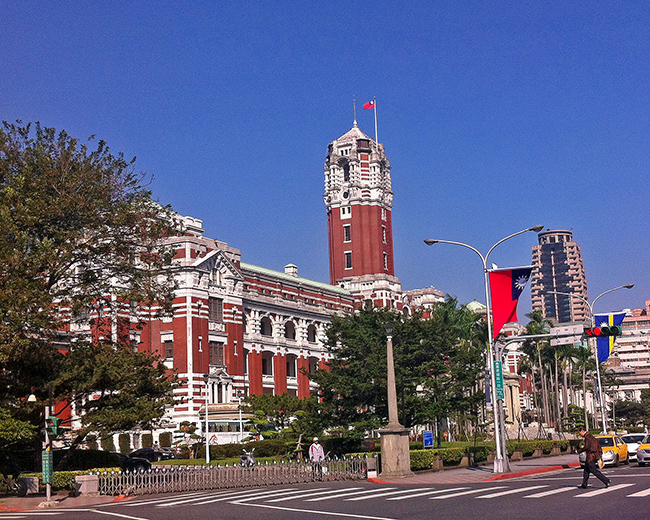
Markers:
point(604, 331)
point(52, 425)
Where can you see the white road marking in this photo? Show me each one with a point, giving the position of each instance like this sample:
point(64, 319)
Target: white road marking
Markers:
point(461, 493)
point(550, 492)
point(511, 492)
point(381, 494)
point(435, 492)
point(643, 493)
point(602, 491)
point(343, 493)
point(316, 512)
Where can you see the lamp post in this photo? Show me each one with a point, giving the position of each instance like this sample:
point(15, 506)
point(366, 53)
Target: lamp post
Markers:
point(593, 343)
point(501, 463)
point(47, 453)
point(240, 396)
point(395, 456)
point(206, 378)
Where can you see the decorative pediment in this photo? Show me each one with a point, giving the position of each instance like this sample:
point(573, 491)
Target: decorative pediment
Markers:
point(216, 262)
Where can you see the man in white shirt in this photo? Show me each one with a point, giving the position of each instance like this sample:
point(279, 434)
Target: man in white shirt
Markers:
point(316, 456)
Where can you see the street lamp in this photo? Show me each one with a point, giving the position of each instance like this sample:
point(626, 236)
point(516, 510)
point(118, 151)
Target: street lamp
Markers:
point(206, 378)
point(46, 452)
point(501, 463)
point(594, 349)
point(239, 397)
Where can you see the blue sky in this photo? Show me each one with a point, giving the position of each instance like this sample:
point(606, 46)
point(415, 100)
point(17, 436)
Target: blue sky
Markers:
point(496, 116)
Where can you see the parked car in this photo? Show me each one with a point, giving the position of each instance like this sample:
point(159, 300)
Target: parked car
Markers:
point(633, 440)
point(91, 459)
point(128, 463)
point(152, 454)
point(614, 450)
point(643, 452)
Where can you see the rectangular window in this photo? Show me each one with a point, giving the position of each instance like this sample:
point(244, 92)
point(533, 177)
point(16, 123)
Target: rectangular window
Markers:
point(348, 259)
point(383, 234)
point(216, 353)
point(169, 349)
point(215, 311)
point(347, 237)
point(346, 212)
point(383, 214)
point(385, 261)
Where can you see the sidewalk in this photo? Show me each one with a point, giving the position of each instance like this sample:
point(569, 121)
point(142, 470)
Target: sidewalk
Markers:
point(519, 468)
point(61, 499)
point(448, 476)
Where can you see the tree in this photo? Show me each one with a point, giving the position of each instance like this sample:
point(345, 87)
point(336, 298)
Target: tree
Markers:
point(80, 236)
point(438, 361)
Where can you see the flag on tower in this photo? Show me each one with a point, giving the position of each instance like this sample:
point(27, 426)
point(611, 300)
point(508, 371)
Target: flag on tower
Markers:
point(605, 344)
point(369, 105)
point(506, 285)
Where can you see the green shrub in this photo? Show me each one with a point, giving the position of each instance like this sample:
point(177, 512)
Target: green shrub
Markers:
point(107, 443)
point(147, 440)
point(165, 439)
point(61, 480)
point(125, 442)
point(91, 442)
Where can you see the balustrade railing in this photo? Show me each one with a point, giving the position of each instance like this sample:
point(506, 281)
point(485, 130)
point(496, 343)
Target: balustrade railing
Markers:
point(168, 479)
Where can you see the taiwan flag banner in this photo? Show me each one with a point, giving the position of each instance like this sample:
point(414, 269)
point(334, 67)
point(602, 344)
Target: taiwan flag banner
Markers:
point(605, 345)
point(369, 105)
point(506, 285)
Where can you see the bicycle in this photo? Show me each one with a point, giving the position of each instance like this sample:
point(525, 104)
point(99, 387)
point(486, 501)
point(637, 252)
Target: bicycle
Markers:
point(13, 485)
point(10, 482)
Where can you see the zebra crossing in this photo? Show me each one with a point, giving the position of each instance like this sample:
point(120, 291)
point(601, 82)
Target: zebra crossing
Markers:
point(388, 493)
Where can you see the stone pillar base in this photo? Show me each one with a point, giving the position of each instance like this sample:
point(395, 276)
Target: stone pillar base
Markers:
point(395, 456)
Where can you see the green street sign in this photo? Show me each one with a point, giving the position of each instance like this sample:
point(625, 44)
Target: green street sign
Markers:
point(47, 467)
point(498, 375)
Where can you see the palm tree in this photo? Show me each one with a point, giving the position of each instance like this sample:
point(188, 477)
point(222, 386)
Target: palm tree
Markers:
point(584, 361)
point(538, 324)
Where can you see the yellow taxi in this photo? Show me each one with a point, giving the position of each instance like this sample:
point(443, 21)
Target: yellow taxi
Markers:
point(614, 450)
point(643, 452)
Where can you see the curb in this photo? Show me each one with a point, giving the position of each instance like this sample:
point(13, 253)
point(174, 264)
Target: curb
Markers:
point(503, 476)
point(545, 469)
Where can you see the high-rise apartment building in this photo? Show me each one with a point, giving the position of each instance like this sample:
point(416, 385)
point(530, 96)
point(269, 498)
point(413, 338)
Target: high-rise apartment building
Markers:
point(557, 266)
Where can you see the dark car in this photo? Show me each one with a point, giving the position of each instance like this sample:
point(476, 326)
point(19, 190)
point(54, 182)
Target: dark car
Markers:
point(91, 459)
point(128, 463)
point(153, 455)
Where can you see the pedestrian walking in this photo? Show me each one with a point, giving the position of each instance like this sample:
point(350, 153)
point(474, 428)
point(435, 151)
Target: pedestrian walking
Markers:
point(316, 456)
point(593, 453)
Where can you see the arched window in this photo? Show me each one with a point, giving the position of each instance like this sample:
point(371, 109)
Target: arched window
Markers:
point(291, 365)
point(311, 333)
point(266, 326)
point(289, 330)
point(267, 363)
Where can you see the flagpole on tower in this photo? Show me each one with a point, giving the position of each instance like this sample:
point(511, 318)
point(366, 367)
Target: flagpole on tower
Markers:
point(354, 103)
point(374, 102)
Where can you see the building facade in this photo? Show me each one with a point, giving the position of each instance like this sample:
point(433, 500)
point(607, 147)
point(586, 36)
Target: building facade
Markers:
point(557, 266)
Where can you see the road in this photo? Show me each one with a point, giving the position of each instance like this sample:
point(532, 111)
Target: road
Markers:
point(550, 496)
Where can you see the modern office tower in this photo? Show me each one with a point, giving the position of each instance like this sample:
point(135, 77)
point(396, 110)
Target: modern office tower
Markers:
point(557, 266)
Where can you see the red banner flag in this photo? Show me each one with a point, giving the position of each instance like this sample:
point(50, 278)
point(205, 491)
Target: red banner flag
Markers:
point(369, 104)
point(506, 286)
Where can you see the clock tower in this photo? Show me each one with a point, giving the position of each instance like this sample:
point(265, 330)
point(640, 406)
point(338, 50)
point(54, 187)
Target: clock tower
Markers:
point(359, 200)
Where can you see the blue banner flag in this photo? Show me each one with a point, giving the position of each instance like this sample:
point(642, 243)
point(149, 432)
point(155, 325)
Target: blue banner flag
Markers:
point(606, 344)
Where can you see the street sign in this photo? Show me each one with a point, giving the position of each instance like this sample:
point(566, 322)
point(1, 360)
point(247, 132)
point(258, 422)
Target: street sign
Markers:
point(427, 437)
point(498, 375)
point(47, 467)
point(566, 335)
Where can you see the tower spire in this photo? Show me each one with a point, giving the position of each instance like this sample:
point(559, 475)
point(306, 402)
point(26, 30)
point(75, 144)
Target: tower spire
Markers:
point(354, 102)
